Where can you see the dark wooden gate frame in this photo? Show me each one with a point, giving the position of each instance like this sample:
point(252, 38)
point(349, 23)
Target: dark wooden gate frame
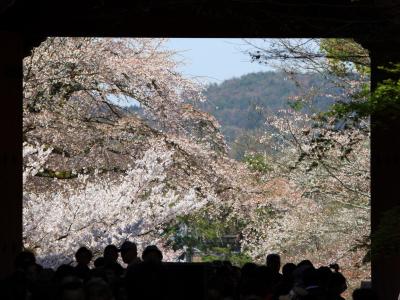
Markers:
point(24, 24)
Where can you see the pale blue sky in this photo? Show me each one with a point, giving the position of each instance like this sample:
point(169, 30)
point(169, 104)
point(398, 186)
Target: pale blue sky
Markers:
point(214, 59)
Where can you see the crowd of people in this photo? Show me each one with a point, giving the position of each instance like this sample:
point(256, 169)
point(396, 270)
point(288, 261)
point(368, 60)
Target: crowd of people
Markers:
point(149, 277)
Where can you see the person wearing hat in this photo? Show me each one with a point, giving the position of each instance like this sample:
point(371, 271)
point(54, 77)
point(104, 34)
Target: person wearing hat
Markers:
point(129, 253)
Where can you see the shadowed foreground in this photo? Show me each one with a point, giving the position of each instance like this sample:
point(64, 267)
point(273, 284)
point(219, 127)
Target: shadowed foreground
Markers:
point(150, 278)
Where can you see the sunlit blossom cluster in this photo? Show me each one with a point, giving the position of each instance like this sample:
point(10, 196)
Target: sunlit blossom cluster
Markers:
point(97, 211)
point(95, 174)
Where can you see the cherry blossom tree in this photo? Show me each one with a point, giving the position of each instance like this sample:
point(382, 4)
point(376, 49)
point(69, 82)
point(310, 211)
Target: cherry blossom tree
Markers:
point(322, 156)
point(101, 210)
point(93, 69)
point(95, 173)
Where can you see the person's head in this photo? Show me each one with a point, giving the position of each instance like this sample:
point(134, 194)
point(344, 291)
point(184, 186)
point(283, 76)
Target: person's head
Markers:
point(305, 262)
point(128, 252)
point(287, 269)
point(336, 284)
point(83, 256)
point(24, 260)
point(324, 275)
point(248, 269)
point(364, 294)
point(274, 262)
point(152, 254)
point(110, 253)
point(99, 262)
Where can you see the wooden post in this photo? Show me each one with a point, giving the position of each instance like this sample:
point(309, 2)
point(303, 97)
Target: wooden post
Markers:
point(10, 150)
point(385, 168)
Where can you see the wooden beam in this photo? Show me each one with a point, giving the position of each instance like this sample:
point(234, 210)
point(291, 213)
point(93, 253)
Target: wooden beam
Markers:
point(385, 166)
point(10, 150)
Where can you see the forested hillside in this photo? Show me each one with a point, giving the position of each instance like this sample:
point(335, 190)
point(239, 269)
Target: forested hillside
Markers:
point(239, 104)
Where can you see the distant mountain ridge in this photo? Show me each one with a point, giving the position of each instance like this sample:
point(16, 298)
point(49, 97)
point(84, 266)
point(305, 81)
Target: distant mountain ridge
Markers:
point(233, 103)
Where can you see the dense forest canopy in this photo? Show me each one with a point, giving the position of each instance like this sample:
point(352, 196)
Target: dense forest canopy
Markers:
point(240, 104)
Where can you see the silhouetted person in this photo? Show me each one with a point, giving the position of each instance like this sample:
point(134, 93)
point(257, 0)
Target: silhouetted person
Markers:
point(24, 260)
point(129, 253)
point(364, 294)
point(110, 260)
point(336, 286)
point(287, 269)
point(324, 275)
point(273, 263)
point(83, 257)
point(287, 282)
point(148, 279)
point(111, 253)
point(305, 262)
point(152, 279)
point(248, 269)
point(99, 262)
point(152, 254)
point(265, 282)
point(44, 287)
point(20, 283)
point(312, 285)
point(247, 279)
